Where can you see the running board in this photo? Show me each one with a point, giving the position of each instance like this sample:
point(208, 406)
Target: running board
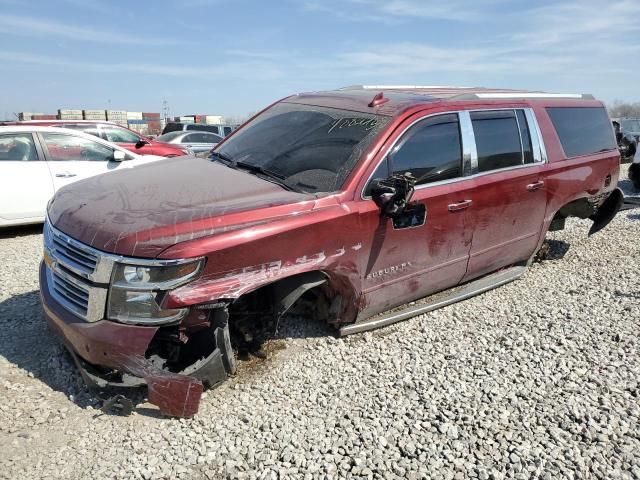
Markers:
point(442, 299)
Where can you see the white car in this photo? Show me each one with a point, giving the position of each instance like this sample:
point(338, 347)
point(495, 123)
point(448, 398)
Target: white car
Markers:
point(36, 161)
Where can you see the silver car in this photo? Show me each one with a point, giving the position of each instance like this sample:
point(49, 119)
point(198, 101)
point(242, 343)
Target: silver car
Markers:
point(196, 142)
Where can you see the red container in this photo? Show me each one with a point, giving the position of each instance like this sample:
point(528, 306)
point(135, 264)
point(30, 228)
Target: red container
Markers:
point(44, 117)
point(149, 116)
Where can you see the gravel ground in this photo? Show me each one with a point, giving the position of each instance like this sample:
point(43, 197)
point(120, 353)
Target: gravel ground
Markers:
point(537, 379)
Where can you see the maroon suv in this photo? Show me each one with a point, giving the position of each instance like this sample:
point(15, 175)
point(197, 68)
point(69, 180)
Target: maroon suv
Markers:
point(114, 133)
point(348, 203)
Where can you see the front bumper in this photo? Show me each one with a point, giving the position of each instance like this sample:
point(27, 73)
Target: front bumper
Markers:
point(122, 348)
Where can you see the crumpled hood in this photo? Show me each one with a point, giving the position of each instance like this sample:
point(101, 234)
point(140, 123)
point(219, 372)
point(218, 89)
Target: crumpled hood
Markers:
point(143, 210)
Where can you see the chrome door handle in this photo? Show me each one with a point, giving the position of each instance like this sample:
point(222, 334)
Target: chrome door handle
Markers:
point(65, 175)
point(532, 187)
point(455, 207)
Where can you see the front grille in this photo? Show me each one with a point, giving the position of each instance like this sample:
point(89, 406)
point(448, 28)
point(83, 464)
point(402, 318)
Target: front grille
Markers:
point(73, 254)
point(72, 295)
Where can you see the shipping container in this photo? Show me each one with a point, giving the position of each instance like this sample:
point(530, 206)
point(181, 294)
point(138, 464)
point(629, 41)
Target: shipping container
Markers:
point(214, 119)
point(136, 122)
point(150, 115)
point(70, 116)
point(27, 115)
point(69, 112)
point(186, 119)
point(134, 115)
point(43, 117)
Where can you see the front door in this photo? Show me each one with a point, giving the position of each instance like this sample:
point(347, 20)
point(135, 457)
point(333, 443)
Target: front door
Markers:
point(426, 250)
point(26, 184)
point(72, 158)
point(510, 197)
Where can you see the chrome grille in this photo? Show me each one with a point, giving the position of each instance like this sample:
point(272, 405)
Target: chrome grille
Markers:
point(73, 254)
point(70, 293)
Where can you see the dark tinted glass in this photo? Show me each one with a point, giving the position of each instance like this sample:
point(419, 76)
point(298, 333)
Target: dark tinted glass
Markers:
point(313, 149)
point(227, 131)
point(172, 127)
point(582, 130)
point(381, 173)
point(525, 137)
point(203, 128)
point(497, 139)
point(430, 150)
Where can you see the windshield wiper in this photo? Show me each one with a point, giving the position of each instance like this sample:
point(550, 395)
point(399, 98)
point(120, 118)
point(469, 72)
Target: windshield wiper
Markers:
point(221, 156)
point(272, 176)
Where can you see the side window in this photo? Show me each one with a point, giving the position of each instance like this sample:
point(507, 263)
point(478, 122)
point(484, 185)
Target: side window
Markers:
point(17, 147)
point(227, 131)
point(68, 147)
point(119, 135)
point(431, 150)
point(205, 138)
point(381, 173)
point(497, 139)
point(88, 129)
point(188, 138)
point(583, 130)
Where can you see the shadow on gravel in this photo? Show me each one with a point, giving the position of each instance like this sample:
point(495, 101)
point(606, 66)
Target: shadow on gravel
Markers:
point(20, 231)
point(552, 250)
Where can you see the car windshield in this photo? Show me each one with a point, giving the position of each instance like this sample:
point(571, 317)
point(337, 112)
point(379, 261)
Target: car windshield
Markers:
point(309, 148)
point(167, 137)
point(631, 125)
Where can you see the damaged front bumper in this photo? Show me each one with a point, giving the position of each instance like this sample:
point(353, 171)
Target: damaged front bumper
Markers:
point(110, 354)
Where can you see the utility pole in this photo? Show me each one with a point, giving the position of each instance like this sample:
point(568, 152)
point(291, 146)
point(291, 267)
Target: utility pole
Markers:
point(165, 110)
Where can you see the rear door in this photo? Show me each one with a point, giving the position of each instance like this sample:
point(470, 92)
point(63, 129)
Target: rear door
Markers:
point(510, 196)
point(71, 158)
point(25, 181)
point(427, 249)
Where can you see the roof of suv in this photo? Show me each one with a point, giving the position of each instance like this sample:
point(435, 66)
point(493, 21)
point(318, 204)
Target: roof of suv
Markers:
point(396, 98)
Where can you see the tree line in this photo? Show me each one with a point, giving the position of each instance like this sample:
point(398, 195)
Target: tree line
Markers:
point(622, 109)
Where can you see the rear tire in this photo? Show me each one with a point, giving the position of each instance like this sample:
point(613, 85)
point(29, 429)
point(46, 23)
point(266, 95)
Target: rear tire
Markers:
point(634, 175)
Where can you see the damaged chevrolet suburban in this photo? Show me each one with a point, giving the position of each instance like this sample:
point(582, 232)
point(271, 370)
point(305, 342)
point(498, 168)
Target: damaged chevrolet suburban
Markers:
point(347, 204)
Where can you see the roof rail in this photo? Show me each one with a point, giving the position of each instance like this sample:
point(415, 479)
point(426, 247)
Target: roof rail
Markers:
point(400, 87)
point(509, 95)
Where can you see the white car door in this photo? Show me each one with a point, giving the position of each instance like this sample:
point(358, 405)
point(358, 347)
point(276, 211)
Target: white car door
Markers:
point(25, 181)
point(72, 157)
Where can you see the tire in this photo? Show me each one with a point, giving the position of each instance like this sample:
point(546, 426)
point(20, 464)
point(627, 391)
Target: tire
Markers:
point(634, 175)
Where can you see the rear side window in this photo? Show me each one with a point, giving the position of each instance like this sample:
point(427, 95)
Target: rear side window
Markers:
point(497, 139)
point(203, 128)
point(172, 127)
point(582, 130)
point(17, 147)
point(430, 150)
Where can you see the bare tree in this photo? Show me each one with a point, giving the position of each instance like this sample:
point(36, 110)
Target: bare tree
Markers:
point(623, 109)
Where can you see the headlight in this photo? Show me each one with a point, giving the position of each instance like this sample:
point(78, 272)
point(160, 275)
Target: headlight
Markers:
point(136, 291)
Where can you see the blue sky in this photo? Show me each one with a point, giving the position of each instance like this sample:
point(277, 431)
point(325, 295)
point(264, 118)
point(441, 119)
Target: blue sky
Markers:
point(233, 57)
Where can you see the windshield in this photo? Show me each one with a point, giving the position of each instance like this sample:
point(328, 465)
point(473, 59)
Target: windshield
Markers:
point(310, 148)
point(630, 125)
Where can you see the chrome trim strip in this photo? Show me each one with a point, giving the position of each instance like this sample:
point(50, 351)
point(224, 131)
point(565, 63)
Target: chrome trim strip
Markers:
point(515, 114)
point(539, 140)
point(469, 150)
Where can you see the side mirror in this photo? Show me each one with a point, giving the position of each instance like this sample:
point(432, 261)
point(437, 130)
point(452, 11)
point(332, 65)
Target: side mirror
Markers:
point(393, 194)
point(141, 143)
point(119, 156)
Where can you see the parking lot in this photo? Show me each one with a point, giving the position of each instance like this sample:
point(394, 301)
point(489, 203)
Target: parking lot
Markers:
point(536, 379)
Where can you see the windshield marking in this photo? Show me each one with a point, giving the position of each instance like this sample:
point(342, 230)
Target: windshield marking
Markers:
point(340, 123)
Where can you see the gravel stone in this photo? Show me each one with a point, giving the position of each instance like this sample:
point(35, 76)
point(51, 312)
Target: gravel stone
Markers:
point(536, 379)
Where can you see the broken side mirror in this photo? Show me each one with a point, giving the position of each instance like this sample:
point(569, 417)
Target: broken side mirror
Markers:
point(393, 194)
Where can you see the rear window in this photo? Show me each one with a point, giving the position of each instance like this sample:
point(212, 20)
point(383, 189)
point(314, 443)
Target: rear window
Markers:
point(582, 130)
point(172, 127)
